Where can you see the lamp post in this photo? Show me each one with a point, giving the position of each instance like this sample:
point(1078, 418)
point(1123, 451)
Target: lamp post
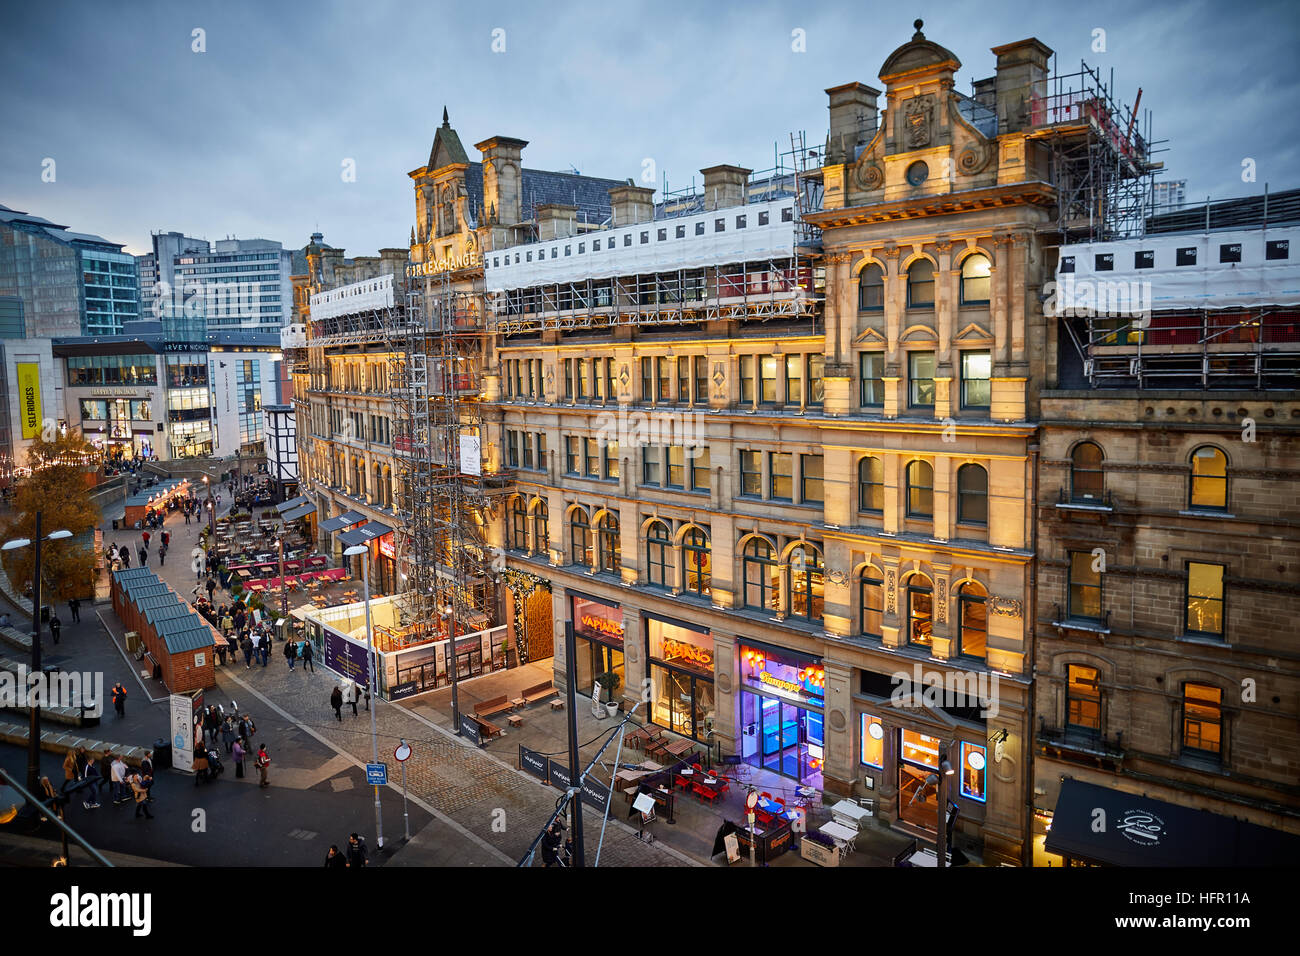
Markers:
point(284, 592)
point(364, 553)
point(212, 511)
point(34, 731)
point(449, 624)
point(945, 771)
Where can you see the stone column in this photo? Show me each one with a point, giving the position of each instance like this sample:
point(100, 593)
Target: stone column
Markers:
point(892, 625)
point(726, 707)
point(841, 752)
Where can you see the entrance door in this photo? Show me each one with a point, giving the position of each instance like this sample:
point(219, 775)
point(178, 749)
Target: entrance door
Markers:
point(918, 801)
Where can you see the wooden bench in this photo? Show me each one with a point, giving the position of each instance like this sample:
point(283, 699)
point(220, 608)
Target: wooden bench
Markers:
point(493, 705)
point(487, 729)
point(538, 692)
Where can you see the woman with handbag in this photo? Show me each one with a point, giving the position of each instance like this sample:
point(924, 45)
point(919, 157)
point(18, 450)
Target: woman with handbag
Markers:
point(237, 752)
point(200, 764)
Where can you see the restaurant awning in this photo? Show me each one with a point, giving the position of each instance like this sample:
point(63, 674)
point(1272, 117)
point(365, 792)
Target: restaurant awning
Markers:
point(367, 532)
point(345, 520)
point(1140, 831)
point(292, 503)
point(301, 511)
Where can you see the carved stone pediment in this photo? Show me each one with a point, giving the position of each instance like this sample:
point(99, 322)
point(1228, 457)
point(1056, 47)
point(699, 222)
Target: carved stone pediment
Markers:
point(918, 119)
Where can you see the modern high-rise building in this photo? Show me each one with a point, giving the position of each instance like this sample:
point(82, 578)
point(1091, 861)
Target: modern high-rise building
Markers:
point(62, 282)
point(1168, 196)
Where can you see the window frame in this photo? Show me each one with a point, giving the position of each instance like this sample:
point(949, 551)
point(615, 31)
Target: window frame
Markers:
point(865, 582)
point(962, 297)
point(864, 286)
point(914, 386)
point(963, 496)
point(1076, 470)
point(663, 545)
point(1085, 586)
point(863, 462)
point(966, 597)
point(878, 380)
point(1222, 601)
point(767, 591)
point(913, 486)
point(1092, 698)
point(913, 283)
point(967, 380)
point(1185, 718)
point(1193, 479)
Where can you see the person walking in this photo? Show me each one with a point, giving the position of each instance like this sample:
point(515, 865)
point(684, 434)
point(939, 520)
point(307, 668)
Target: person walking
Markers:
point(334, 860)
point(166, 538)
point(186, 512)
point(74, 608)
point(336, 701)
point(263, 762)
point(350, 695)
point(140, 787)
point(237, 754)
point(90, 774)
point(227, 624)
point(119, 699)
point(290, 653)
point(124, 555)
point(308, 655)
point(356, 852)
point(162, 555)
point(144, 535)
point(212, 586)
point(228, 732)
point(246, 645)
point(55, 627)
point(367, 691)
point(144, 556)
point(118, 772)
point(72, 767)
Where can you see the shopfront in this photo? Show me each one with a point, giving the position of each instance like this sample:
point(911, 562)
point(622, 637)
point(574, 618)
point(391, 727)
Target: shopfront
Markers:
point(598, 642)
point(681, 676)
point(781, 712)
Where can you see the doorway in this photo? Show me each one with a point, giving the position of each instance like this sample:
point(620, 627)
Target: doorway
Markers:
point(783, 738)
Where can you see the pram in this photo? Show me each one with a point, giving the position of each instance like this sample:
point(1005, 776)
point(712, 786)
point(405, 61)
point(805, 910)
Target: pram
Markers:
point(213, 770)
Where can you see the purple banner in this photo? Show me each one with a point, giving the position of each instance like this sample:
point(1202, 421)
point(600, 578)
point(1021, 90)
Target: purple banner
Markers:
point(346, 658)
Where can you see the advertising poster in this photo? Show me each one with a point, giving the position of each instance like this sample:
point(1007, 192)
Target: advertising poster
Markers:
point(346, 658)
point(29, 397)
point(182, 732)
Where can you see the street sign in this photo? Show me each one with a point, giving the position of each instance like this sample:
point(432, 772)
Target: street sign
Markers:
point(403, 751)
point(376, 774)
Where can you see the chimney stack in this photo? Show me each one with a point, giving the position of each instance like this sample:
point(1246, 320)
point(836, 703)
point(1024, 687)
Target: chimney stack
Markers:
point(854, 118)
point(1021, 81)
point(502, 179)
point(631, 204)
point(556, 220)
point(724, 186)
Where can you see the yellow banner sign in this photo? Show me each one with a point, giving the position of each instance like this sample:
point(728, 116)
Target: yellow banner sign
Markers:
point(29, 397)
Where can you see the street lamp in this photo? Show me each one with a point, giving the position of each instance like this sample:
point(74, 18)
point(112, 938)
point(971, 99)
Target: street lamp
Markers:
point(360, 550)
point(34, 731)
point(284, 593)
point(212, 511)
point(945, 771)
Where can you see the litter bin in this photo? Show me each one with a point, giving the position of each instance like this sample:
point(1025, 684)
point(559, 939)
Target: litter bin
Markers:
point(162, 754)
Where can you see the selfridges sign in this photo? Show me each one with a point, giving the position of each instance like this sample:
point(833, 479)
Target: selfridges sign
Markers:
point(466, 260)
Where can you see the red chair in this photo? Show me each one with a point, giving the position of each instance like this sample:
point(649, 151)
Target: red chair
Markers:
point(706, 793)
point(683, 782)
point(723, 785)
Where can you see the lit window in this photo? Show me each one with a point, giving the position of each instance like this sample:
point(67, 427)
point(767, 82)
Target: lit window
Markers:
point(1202, 719)
point(920, 490)
point(873, 742)
point(920, 366)
point(975, 280)
point(1209, 487)
point(1204, 599)
point(974, 767)
point(920, 284)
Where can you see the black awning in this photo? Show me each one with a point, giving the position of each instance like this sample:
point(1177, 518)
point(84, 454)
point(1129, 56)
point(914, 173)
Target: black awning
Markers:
point(366, 533)
point(292, 503)
point(1139, 831)
point(301, 511)
point(344, 520)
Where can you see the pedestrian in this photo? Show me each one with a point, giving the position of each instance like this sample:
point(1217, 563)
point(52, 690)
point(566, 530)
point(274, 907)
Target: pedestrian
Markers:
point(246, 645)
point(162, 555)
point(187, 515)
point(210, 724)
point(228, 732)
point(90, 774)
point(227, 624)
point(290, 653)
point(144, 556)
point(74, 608)
point(119, 699)
point(118, 773)
point(146, 764)
point(263, 762)
point(551, 845)
point(55, 626)
point(167, 539)
point(200, 763)
point(367, 689)
point(212, 586)
point(356, 852)
point(334, 860)
point(350, 695)
point(307, 656)
point(72, 767)
point(336, 701)
point(140, 787)
point(237, 753)
point(266, 647)
point(145, 536)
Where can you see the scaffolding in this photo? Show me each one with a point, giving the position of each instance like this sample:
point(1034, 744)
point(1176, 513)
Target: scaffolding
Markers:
point(446, 498)
point(1098, 152)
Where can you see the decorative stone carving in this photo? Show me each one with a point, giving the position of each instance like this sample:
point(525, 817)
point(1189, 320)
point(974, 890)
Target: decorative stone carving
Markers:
point(941, 604)
point(837, 577)
point(917, 113)
point(890, 593)
point(871, 176)
point(724, 683)
point(623, 374)
point(838, 720)
point(973, 159)
point(1006, 607)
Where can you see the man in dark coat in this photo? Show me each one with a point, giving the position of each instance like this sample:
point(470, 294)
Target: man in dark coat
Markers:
point(356, 852)
point(336, 701)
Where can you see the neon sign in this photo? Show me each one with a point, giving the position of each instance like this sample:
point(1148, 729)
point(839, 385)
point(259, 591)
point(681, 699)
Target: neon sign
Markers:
point(680, 650)
point(602, 624)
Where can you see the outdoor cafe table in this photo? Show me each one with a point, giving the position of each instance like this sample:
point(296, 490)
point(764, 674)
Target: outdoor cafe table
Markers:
point(678, 747)
point(839, 832)
point(846, 810)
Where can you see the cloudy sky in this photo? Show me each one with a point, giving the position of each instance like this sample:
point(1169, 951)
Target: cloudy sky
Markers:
point(249, 138)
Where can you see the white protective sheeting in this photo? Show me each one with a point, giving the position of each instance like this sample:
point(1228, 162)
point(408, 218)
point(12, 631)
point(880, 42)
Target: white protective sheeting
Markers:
point(376, 293)
point(638, 248)
point(1268, 273)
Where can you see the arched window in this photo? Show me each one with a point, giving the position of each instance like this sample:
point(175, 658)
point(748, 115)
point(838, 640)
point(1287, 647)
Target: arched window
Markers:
point(657, 545)
point(871, 289)
point(697, 563)
point(541, 528)
point(975, 281)
point(871, 486)
point(761, 575)
point(972, 495)
point(806, 582)
point(920, 490)
point(580, 538)
point(973, 620)
point(608, 543)
point(920, 611)
point(518, 524)
point(1209, 479)
point(871, 602)
point(1087, 480)
point(920, 284)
